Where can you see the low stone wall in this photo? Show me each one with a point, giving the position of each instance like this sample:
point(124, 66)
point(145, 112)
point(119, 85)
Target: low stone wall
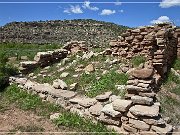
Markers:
point(43, 59)
point(136, 114)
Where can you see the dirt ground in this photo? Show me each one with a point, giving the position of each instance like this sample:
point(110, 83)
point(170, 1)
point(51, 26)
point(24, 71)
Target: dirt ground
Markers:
point(16, 121)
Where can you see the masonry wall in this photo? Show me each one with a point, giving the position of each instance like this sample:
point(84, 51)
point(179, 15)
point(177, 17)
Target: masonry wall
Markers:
point(159, 44)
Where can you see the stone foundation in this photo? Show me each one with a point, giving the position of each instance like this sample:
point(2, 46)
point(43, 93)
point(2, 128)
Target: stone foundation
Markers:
point(137, 114)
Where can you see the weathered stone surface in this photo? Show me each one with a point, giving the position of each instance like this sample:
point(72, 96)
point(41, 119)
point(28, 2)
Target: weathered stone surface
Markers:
point(139, 124)
point(75, 100)
point(142, 100)
point(163, 130)
point(136, 88)
point(29, 85)
point(121, 105)
point(140, 110)
point(59, 84)
point(87, 102)
point(109, 120)
point(117, 129)
point(73, 86)
point(153, 121)
point(64, 74)
point(108, 110)
point(51, 99)
point(96, 109)
point(65, 94)
point(43, 88)
point(54, 116)
point(150, 94)
point(18, 80)
point(113, 98)
point(142, 73)
point(104, 96)
point(130, 115)
point(129, 128)
point(89, 68)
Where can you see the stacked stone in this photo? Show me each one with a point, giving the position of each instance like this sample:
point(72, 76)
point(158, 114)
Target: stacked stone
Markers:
point(27, 66)
point(134, 42)
point(143, 115)
point(43, 59)
point(165, 51)
point(139, 114)
point(177, 33)
point(75, 46)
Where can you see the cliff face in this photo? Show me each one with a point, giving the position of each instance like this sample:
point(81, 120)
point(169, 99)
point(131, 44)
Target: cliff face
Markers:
point(95, 33)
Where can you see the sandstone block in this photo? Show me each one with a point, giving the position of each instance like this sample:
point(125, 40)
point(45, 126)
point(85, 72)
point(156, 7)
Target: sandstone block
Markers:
point(121, 105)
point(140, 110)
point(142, 100)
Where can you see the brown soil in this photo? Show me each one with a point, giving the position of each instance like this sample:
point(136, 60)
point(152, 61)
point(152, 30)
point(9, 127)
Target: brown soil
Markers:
point(16, 121)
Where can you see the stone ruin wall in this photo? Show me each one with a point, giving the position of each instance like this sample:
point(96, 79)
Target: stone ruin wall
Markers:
point(139, 112)
point(158, 44)
point(43, 59)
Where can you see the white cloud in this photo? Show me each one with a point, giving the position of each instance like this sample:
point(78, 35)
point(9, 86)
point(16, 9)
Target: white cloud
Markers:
point(169, 3)
point(86, 5)
point(117, 3)
point(107, 12)
point(121, 11)
point(74, 9)
point(161, 19)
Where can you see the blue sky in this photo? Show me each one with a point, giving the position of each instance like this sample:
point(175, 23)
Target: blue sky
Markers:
point(119, 12)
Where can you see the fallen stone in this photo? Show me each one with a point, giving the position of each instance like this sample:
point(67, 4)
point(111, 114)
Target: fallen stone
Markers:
point(73, 86)
point(96, 109)
point(64, 74)
point(140, 110)
point(142, 73)
point(54, 116)
point(108, 110)
point(121, 105)
point(104, 96)
point(51, 99)
point(142, 100)
point(139, 124)
point(89, 68)
point(59, 84)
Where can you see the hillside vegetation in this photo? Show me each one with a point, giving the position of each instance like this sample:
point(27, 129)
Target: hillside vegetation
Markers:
point(95, 33)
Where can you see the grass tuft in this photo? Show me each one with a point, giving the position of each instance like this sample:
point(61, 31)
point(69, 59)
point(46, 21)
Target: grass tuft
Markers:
point(75, 121)
point(137, 60)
